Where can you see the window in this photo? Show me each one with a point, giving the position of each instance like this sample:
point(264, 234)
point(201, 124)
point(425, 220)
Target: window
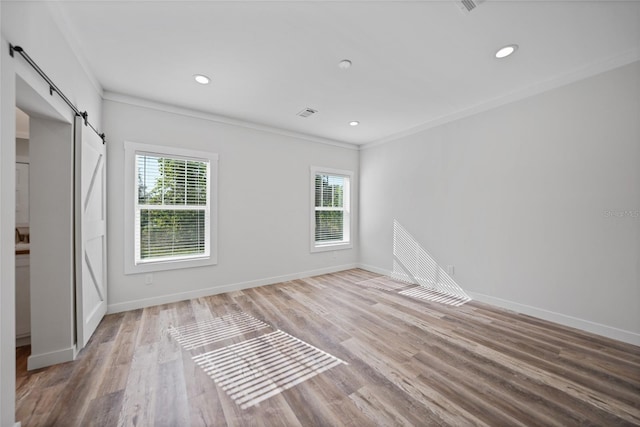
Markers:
point(331, 209)
point(170, 217)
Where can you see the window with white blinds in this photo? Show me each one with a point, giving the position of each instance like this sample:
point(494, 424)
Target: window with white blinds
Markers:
point(331, 219)
point(173, 207)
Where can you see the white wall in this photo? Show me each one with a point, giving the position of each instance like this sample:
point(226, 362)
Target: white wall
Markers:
point(522, 200)
point(35, 26)
point(51, 226)
point(7, 248)
point(263, 205)
point(31, 25)
point(22, 150)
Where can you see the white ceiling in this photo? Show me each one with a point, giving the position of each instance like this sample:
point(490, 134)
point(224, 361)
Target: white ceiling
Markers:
point(414, 62)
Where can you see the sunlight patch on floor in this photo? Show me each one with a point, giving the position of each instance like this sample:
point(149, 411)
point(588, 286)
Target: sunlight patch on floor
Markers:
point(211, 331)
point(434, 295)
point(262, 367)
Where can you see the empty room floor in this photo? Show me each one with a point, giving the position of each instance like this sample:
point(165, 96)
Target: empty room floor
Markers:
point(333, 350)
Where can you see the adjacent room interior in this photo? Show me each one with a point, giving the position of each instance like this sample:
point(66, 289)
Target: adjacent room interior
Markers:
point(320, 213)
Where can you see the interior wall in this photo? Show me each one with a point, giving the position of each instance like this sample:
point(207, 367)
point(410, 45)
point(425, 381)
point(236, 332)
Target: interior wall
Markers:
point(51, 223)
point(536, 204)
point(22, 150)
point(27, 24)
point(7, 248)
point(263, 205)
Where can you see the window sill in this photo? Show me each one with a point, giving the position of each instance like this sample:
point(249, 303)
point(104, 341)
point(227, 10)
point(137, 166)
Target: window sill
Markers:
point(175, 264)
point(331, 247)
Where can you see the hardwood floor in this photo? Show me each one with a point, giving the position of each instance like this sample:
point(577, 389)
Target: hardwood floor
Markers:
point(407, 362)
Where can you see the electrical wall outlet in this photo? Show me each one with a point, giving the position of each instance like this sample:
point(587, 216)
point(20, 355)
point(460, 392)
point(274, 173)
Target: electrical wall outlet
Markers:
point(450, 270)
point(148, 279)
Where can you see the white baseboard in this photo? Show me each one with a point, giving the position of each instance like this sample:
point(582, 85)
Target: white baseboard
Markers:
point(540, 313)
point(562, 319)
point(22, 340)
point(373, 269)
point(37, 361)
point(181, 296)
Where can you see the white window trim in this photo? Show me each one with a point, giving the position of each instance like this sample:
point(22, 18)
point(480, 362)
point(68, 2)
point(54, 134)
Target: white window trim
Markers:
point(330, 246)
point(130, 194)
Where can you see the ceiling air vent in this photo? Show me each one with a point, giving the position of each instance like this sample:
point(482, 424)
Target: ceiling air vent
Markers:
point(469, 5)
point(307, 112)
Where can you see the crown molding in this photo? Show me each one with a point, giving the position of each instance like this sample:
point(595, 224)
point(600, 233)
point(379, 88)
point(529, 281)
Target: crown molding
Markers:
point(167, 108)
point(590, 70)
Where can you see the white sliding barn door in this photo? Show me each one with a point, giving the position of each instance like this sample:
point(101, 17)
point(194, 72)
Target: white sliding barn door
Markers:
point(91, 245)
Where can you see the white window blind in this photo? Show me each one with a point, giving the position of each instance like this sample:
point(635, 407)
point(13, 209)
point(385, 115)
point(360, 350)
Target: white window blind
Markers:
point(172, 209)
point(330, 209)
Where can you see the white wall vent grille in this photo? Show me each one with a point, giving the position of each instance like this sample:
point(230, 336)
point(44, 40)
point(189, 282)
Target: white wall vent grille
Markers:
point(469, 5)
point(307, 112)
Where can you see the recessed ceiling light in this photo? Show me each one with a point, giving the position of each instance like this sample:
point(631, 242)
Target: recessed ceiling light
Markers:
point(354, 123)
point(202, 79)
point(344, 64)
point(505, 51)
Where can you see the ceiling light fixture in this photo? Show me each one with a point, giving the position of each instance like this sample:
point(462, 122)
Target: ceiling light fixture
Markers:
point(354, 123)
point(505, 51)
point(202, 79)
point(344, 64)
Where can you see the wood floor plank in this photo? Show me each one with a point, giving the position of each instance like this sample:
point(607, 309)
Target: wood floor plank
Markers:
point(205, 406)
point(320, 403)
point(139, 399)
point(409, 362)
point(101, 410)
point(172, 407)
point(119, 361)
point(404, 379)
point(377, 410)
point(148, 327)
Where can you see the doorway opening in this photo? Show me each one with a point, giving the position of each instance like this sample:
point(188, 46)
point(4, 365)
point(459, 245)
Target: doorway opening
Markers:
point(22, 232)
point(45, 293)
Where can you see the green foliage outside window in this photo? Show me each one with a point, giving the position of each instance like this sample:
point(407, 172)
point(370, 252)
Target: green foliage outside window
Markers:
point(165, 233)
